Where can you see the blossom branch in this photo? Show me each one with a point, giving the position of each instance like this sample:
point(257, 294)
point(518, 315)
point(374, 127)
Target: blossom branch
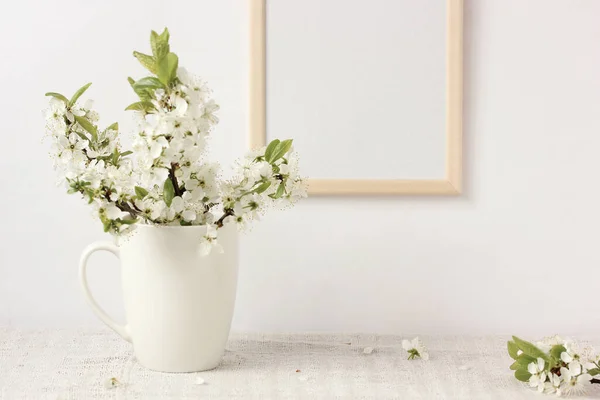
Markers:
point(174, 184)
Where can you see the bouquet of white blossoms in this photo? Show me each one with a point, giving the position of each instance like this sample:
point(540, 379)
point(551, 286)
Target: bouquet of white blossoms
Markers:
point(554, 365)
point(171, 181)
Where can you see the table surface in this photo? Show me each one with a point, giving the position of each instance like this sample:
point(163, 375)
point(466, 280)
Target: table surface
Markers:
point(69, 364)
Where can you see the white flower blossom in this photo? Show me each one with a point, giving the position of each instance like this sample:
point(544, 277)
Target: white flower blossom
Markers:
point(538, 374)
point(576, 380)
point(209, 242)
point(415, 349)
point(554, 384)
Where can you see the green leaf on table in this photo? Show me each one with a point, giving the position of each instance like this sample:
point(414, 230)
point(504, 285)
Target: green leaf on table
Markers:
point(140, 192)
point(557, 350)
point(515, 366)
point(148, 82)
point(270, 149)
point(131, 81)
point(512, 349)
point(147, 61)
point(78, 94)
point(167, 68)
point(141, 106)
point(262, 187)
point(113, 127)
point(58, 96)
point(87, 125)
point(281, 150)
point(126, 153)
point(525, 360)
point(168, 192)
point(523, 375)
point(531, 350)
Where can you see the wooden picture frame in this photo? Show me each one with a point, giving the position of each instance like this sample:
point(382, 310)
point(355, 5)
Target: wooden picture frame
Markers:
point(452, 183)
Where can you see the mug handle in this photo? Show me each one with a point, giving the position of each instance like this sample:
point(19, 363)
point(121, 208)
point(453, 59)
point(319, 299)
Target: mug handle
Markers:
point(122, 330)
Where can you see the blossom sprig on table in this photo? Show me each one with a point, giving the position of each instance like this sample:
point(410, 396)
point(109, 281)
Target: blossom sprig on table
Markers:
point(554, 365)
point(171, 181)
point(415, 349)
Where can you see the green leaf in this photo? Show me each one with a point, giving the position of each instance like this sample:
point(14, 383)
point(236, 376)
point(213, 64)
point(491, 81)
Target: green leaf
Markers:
point(78, 94)
point(148, 82)
point(525, 360)
point(263, 186)
point(128, 221)
point(556, 351)
point(141, 106)
point(167, 68)
point(81, 135)
point(140, 192)
point(523, 375)
point(270, 149)
point(515, 366)
point(58, 96)
point(512, 349)
point(143, 93)
point(106, 224)
point(594, 371)
point(126, 153)
point(87, 125)
point(280, 191)
point(115, 156)
point(154, 39)
point(281, 149)
point(147, 61)
point(113, 127)
point(159, 44)
point(168, 192)
point(91, 195)
point(531, 350)
point(165, 35)
point(184, 223)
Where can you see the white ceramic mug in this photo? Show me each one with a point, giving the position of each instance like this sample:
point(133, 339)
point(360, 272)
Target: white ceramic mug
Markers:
point(178, 304)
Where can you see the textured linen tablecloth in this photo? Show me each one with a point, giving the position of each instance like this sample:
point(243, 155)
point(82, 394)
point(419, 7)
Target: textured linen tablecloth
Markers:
point(76, 364)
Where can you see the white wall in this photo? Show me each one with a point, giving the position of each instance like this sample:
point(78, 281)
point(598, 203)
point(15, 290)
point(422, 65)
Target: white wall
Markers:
point(516, 253)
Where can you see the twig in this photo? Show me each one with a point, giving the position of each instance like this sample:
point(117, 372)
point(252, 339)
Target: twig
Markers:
point(227, 213)
point(123, 206)
point(208, 206)
point(174, 179)
point(127, 208)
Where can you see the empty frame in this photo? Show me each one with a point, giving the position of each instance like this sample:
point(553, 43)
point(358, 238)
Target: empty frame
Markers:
point(371, 91)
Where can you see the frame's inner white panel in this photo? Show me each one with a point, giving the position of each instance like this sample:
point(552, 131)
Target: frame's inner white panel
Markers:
point(360, 85)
